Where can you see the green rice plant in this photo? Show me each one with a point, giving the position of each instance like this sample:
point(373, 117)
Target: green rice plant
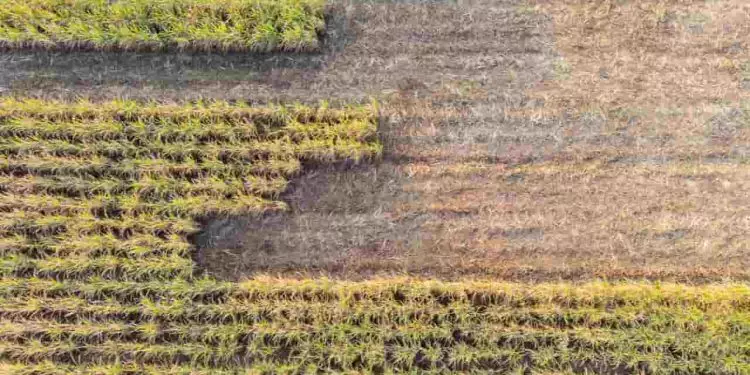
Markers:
point(226, 25)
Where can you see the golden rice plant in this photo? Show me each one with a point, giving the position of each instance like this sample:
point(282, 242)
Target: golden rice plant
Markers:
point(96, 274)
point(221, 25)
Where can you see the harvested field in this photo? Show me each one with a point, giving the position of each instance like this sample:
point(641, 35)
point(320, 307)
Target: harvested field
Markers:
point(523, 157)
point(223, 25)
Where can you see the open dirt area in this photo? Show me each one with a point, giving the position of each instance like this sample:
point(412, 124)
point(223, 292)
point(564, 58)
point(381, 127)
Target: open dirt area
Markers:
point(524, 140)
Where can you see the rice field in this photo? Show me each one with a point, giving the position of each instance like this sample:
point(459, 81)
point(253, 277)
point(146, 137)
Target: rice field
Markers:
point(519, 206)
point(108, 193)
point(96, 274)
point(197, 25)
point(272, 326)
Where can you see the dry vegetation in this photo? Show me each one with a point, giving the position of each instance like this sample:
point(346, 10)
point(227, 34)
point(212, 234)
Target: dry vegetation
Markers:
point(595, 139)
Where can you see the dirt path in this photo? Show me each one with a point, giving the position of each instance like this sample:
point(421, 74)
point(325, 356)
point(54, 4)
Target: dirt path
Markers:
point(518, 144)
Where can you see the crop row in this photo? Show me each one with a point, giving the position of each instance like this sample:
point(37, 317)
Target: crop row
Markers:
point(40, 225)
point(374, 326)
point(151, 268)
point(261, 118)
point(99, 167)
point(454, 322)
point(82, 183)
point(219, 302)
point(638, 296)
point(137, 246)
point(260, 367)
point(56, 195)
point(346, 344)
point(535, 351)
point(225, 25)
point(167, 132)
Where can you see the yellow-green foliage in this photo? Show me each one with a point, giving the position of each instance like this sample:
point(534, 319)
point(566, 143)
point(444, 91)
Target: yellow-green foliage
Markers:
point(394, 325)
point(240, 25)
point(113, 189)
point(96, 275)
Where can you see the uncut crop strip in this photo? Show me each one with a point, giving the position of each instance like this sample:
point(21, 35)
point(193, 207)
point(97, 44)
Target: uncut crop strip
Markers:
point(96, 275)
point(112, 189)
point(204, 25)
point(402, 325)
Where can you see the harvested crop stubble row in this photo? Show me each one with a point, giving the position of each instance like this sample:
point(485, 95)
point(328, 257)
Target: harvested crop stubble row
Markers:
point(203, 25)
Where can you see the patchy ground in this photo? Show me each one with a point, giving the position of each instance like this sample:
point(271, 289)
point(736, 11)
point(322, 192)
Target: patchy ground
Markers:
point(530, 141)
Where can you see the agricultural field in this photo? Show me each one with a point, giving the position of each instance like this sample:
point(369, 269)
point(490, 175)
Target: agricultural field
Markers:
point(113, 189)
point(396, 325)
point(368, 186)
point(204, 25)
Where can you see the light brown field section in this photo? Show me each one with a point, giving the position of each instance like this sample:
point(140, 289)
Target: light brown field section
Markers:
point(525, 140)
